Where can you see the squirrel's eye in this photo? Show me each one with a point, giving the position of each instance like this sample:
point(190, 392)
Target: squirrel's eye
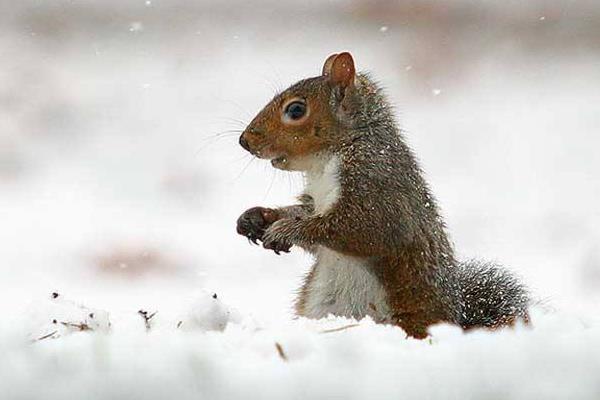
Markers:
point(295, 110)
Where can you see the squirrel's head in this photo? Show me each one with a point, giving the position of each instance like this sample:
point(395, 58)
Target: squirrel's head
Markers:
point(305, 119)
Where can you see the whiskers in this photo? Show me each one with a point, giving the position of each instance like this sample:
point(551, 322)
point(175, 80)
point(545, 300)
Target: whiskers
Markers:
point(291, 177)
point(233, 133)
point(252, 158)
point(238, 122)
point(273, 176)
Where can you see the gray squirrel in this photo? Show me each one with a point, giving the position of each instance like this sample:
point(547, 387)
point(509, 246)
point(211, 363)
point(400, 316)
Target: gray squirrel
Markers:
point(367, 214)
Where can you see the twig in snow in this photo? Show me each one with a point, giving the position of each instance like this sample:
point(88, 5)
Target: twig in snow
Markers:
point(147, 317)
point(341, 328)
point(49, 335)
point(82, 326)
point(280, 351)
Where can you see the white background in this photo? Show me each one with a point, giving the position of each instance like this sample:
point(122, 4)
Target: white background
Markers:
point(121, 180)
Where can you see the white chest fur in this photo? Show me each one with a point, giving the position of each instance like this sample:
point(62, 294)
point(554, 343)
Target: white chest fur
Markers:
point(323, 183)
point(343, 286)
point(340, 285)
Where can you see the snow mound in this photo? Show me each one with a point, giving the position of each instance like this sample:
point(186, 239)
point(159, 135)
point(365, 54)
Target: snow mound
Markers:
point(57, 316)
point(214, 352)
point(207, 313)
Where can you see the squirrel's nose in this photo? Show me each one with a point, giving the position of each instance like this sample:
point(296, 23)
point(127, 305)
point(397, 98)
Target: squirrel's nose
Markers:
point(244, 143)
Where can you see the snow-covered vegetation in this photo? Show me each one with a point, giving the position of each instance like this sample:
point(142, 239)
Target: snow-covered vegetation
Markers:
point(121, 275)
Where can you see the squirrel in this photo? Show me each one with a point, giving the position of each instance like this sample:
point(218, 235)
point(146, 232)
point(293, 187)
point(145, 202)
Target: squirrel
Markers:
point(367, 214)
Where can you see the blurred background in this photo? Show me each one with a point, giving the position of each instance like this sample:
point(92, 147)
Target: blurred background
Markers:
point(121, 178)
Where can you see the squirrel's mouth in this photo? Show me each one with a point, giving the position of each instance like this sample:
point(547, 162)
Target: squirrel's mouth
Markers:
point(279, 162)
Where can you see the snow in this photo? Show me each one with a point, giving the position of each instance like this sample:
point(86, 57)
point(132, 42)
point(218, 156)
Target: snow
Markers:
point(121, 180)
point(136, 26)
point(553, 360)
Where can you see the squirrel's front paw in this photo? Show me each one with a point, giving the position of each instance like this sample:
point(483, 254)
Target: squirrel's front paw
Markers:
point(276, 246)
point(274, 238)
point(254, 222)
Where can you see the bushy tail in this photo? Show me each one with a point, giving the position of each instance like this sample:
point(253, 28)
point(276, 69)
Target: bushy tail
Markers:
point(492, 296)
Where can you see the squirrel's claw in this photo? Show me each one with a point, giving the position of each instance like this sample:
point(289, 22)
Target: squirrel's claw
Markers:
point(277, 247)
point(281, 249)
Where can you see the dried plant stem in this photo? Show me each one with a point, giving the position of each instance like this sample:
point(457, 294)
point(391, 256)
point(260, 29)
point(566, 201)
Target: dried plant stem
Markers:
point(280, 351)
point(341, 328)
point(147, 317)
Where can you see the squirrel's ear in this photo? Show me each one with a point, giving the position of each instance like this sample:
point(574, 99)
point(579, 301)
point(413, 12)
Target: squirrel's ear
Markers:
point(328, 64)
point(342, 70)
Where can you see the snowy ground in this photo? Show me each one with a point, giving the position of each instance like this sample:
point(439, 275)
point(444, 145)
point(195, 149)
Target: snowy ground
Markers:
point(120, 184)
